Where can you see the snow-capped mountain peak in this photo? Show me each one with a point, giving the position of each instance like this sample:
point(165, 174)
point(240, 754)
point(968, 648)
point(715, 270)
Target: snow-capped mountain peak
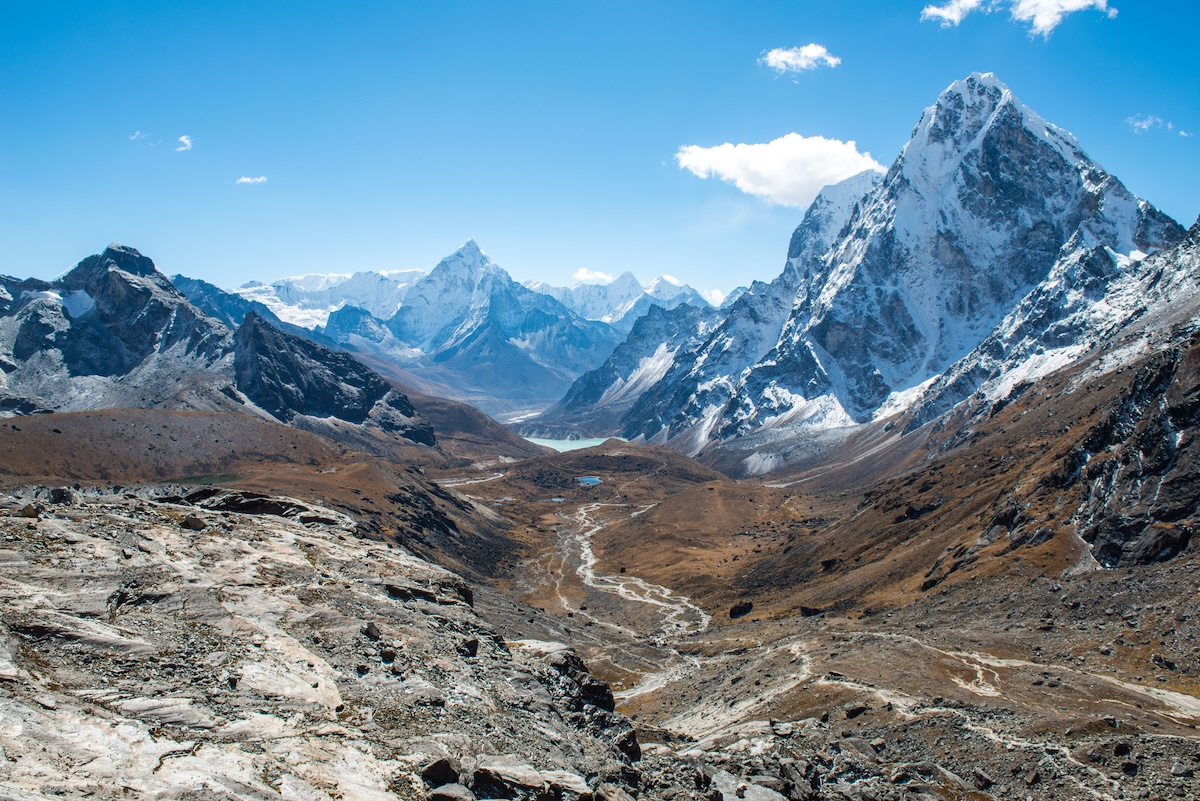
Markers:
point(957, 123)
point(893, 280)
point(463, 270)
point(621, 301)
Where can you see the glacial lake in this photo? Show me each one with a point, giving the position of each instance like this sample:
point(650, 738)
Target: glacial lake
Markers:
point(562, 445)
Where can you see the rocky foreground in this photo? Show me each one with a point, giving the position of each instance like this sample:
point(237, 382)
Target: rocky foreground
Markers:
point(159, 647)
point(168, 642)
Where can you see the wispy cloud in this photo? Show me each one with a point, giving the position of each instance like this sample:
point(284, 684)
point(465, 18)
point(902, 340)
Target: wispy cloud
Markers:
point(1042, 16)
point(245, 179)
point(185, 143)
point(788, 171)
point(1140, 123)
point(136, 135)
point(798, 59)
point(1144, 123)
point(715, 296)
point(585, 276)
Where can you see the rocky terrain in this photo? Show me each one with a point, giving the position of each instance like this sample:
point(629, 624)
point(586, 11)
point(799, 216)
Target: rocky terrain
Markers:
point(160, 645)
point(174, 641)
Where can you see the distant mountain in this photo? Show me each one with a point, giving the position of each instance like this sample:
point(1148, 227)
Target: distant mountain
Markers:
point(480, 334)
point(114, 332)
point(621, 301)
point(308, 300)
point(992, 251)
point(231, 308)
point(464, 331)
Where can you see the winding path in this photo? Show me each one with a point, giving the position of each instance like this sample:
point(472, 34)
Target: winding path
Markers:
point(680, 617)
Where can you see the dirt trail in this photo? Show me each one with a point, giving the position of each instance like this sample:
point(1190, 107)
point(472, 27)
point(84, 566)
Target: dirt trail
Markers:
point(451, 483)
point(680, 617)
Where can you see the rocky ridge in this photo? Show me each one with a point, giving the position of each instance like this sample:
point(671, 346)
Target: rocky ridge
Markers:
point(114, 332)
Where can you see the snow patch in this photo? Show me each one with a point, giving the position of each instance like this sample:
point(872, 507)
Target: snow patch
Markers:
point(78, 303)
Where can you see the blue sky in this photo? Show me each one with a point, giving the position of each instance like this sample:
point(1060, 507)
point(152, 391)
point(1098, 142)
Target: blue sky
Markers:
point(552, 133)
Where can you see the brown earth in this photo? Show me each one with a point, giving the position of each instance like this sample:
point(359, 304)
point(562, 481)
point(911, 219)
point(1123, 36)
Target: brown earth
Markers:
point(392, 500)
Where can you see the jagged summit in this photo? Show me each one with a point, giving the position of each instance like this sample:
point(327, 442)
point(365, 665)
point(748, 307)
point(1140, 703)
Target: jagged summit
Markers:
point(90, 274)
point(960, 118)
point(129, 259)
point(623, 300)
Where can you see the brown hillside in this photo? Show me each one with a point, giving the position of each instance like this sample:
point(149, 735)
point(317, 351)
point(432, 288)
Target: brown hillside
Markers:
point(392, 501)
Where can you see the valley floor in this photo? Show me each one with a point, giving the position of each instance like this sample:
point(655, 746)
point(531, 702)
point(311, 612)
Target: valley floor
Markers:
point(1010, 686)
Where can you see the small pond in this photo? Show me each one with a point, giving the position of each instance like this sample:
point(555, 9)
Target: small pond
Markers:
point(562, 445)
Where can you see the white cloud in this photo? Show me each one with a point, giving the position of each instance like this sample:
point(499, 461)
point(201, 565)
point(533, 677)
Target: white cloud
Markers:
point(585, 276)
point(715, 296)
point(185, 143)
point(136, 135)
point(1140, 123)
point(1042, 16)
point(798, 59)
point(952, 13)
point(262, 179)
point(788, 171)
point(1184, 133)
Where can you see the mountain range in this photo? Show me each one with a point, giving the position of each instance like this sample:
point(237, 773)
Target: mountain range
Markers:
point(622, 301)
point(464, 330)
point(115, 332)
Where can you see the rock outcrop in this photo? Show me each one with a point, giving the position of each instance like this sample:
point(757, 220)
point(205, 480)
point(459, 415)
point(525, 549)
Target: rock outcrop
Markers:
point(152, 647)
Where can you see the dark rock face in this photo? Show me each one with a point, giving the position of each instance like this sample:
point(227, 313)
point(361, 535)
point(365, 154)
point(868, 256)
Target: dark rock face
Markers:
point(126, 311)
point(589, 702)
point(1141, 465)
point(288, 376)
point(114, 332)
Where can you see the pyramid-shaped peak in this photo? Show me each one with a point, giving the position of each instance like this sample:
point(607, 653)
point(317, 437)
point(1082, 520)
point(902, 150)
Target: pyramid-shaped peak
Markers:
point(628, 279)
point(468, 262)
point(468, 253)
point(965, 113)
point(471, 249)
